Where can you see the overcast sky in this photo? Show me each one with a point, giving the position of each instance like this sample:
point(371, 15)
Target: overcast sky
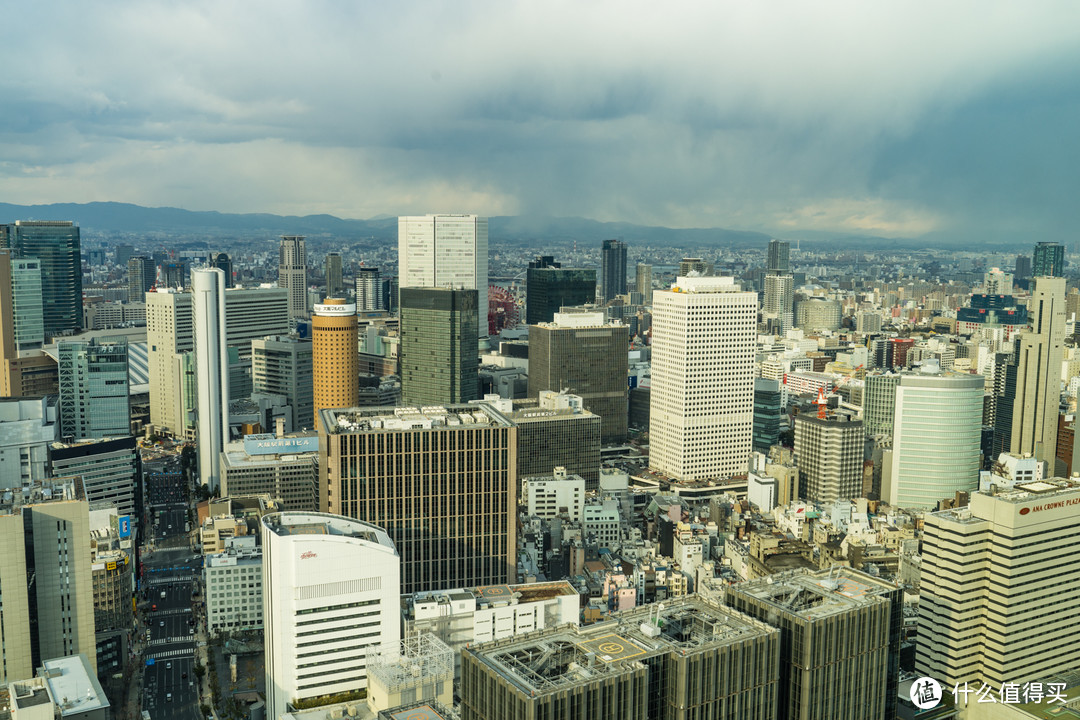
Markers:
point(893, 118)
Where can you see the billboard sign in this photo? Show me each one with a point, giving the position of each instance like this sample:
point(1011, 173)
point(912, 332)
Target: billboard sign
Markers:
point(123, 524)
point(271, 444)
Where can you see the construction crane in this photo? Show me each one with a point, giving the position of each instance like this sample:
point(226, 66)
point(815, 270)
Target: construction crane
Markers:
point(822, 403)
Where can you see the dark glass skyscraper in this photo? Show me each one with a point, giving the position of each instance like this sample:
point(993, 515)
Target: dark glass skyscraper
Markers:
point(779, 261)
point(586, 356)
point(767, 413)
point(141, 277)
point(57, 245)
point(1023, 267)
point(223, 262)
point(612, 269)
point(549, 286)
point(439, 362)
point(1048, 259)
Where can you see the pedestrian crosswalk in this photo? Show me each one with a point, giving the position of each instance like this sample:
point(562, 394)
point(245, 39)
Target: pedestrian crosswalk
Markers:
point(170, 579)
point(171, 611)
point(171, 640)
point(168, 654)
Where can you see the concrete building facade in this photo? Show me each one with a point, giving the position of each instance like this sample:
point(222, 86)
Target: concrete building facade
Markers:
point(1000, 589)
point(830, 452)
point(331, 590)
point(442, 482)
point(335, 359)
point(211, 362)
point(283, 365)
point(581, 353)
point(449, 251)
point(1038, 374)
point(701, 413)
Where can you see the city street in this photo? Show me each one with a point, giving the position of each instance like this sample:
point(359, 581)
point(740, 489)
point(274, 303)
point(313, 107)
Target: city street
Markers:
point(170, 689)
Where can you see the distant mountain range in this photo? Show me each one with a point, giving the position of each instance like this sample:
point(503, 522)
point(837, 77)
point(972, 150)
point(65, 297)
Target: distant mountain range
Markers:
point(113, 217)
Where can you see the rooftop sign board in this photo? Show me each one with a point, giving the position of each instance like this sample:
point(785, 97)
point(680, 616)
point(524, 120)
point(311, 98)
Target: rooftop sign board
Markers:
point(270, 444)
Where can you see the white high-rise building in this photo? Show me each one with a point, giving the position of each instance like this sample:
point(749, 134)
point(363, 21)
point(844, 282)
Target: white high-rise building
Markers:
point(212, 371)
point(446, 251)
point(998, 282)
point(1000, 587)
point(292, 273)
point(937, 435)
point(779, 300)
point(702, 399)
point(331, 590)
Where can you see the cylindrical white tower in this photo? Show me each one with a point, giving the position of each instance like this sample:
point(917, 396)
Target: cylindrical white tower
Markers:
point(331, 590)
point(211, 370)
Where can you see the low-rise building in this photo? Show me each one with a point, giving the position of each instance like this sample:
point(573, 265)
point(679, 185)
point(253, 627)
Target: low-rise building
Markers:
point(233, 580)
point(555, 495)
point(282, 467)
point(474, 615)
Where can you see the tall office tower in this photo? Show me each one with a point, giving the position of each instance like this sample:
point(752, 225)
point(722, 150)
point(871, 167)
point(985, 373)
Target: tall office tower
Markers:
point(437, 353)
point(584, 355)
point(778, 261)
point(556, 432)
point(830, 452)
point(1020, 626)
point(332, 270)
point(446, 251)
point(212, 364)
point(390, 294)
point(998, 282)
point(937, 434)
point(46, 576)
point(779, 300)
point(643, 282)
point(612, 269)
point(1038, 372)
point(369, 295)
point(695, 265)
point(94, 399)
point(334, 356)
point(21, 312)
point(251, 314)
point(331, 592)
point(1022, 270)
point(549, 287)
point(292, 273)
point(56, 246)
point(686, 658)
point(768, 411)
point(1048, 259)
point(282, 365)
point(123, 254)
point(840, 641)
point(701, 410)
point(141, 277)
point(879, 403)
point(110, 470)
point(442, 481)
point(176, 274)
point(224, 263)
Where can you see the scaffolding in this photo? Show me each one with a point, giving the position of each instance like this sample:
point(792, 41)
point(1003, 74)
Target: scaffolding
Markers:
point(412, 662)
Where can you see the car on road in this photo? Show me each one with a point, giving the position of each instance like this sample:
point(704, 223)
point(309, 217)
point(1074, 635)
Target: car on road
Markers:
point(162, 623)
point(168, 666)
point(168, 697)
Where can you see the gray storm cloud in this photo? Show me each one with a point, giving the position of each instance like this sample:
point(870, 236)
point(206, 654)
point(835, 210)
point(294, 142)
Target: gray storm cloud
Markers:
point(892, 118)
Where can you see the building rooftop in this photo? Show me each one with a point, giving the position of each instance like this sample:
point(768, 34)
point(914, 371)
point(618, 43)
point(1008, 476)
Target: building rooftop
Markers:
point(42, 491)
point(73, 685)
point(314, 523)
point(550, 660)
point(453, 417)
point(29, 693)
point(491, 595)
point(815, 595)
